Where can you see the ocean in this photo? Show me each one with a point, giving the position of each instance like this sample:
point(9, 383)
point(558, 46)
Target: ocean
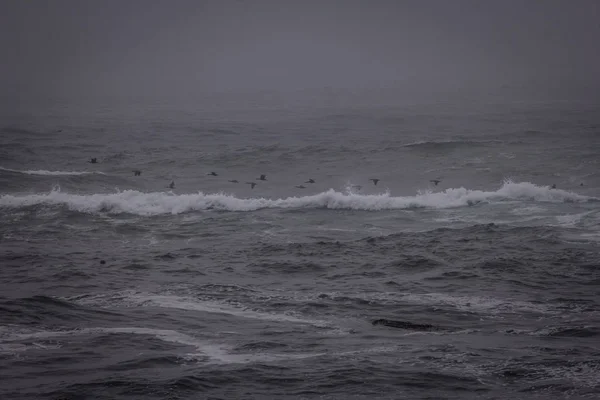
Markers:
point(117, 286)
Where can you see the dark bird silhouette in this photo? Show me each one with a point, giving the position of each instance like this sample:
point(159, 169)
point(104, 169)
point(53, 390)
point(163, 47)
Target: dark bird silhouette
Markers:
point(93, 161)
point(213, 174)
point(311, 180)
point(553, 186)
point(300, 186)
point(262, 178)
point(435, 181)
point(374, 180)
point(233, 181)
point(137, 172)
point(172, 185)
point(252, 184)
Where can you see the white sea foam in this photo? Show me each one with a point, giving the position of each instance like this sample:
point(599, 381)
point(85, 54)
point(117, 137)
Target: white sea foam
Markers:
point(527, 210)
point(591, 237)
point(203, 349)
point(136, 299)
point(206, 349)
point(571, 220)
point(53, 173)
point(157, 203)
point(193, 304)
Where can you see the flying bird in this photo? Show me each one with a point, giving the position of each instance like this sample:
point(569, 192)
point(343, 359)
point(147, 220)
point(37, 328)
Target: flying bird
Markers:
point(233, 181)
point(435, 181)
point(311, 180)
point(262, 178)
point(300, 186)
point(93, 161)
point(375, 180)
point(172, 185)
point(213, 174)
point(137, 172)
point(252, 184)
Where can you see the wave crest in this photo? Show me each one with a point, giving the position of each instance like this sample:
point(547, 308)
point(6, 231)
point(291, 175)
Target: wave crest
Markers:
point(159, 203)
point(54, 173)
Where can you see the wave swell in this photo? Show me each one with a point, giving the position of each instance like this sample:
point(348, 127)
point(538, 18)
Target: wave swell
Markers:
point(449, 144)
point(160, 203)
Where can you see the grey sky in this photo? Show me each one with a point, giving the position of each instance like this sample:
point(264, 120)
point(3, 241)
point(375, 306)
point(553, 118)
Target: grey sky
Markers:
point(187, 47)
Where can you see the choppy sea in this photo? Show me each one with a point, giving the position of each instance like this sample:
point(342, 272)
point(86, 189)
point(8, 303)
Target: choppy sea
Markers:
point(117, 286)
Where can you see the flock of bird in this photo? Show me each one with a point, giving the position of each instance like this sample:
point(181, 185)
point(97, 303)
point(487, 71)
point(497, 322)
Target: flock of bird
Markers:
point(263, 177)
point(137, 172)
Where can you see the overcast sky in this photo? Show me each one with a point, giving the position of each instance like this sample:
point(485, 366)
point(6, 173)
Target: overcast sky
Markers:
point(122, 47)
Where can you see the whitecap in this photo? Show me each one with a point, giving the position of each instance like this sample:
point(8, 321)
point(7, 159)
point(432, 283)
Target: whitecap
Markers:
point(52, 173)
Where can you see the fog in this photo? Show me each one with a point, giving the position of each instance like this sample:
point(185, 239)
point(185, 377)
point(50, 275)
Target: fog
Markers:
point(187, 48)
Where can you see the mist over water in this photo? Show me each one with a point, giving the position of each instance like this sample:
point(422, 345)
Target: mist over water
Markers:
point(157, 50)
point(432, 166)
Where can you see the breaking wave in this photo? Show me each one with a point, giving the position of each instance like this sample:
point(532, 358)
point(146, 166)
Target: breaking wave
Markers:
point(158, 203)
point(54, 173)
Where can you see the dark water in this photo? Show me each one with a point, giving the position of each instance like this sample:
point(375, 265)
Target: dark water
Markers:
point(115, 286)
